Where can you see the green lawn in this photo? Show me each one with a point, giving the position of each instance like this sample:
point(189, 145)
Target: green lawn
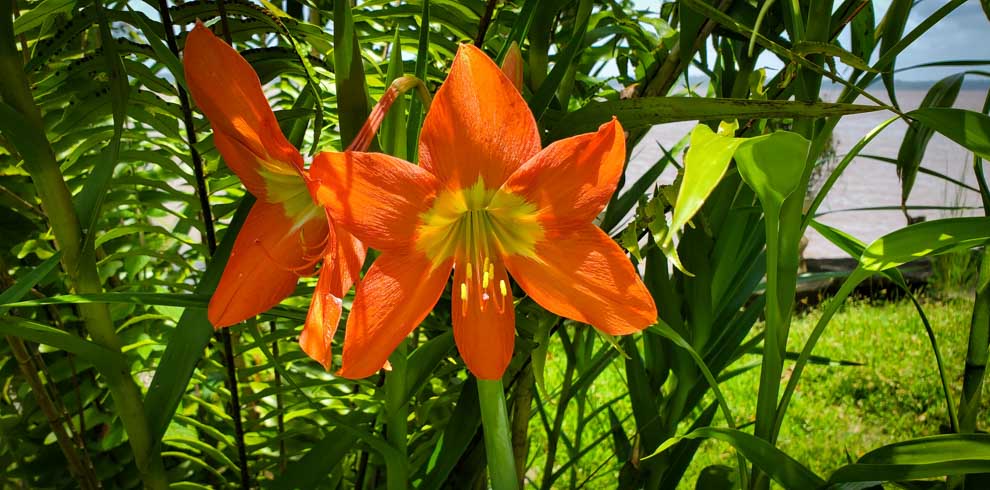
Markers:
point(838, 412)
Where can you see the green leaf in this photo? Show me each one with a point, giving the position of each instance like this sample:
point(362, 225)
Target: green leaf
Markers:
point(541, 99)
point(641, 113)
point(804, 48)
point(456, 437)
point(24, 284)
point(104, 359)
point(784, 469)
point(422, 61)
point(352, 94)
point(909, 156)
point(968, 128)
point(772, 165)
point(313, 467)
point(158, 45)
point(190, 337)
point(393, 132)
point(706, 161)
point(36, 15)
point(924, 240)
point(925, 457)
point(424, 360)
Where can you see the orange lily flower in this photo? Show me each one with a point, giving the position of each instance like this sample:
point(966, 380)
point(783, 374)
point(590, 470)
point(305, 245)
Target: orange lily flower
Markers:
point(485, 203)
point(286, 234)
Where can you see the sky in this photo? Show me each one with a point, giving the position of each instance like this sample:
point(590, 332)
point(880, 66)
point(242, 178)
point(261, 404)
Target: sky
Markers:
point(962, 35)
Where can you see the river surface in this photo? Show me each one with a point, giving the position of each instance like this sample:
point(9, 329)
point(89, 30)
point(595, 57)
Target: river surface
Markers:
point(866, 183)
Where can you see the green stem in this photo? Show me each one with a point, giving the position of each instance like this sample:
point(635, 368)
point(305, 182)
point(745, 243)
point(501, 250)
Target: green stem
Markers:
point(976, 356)
point(79, 262)
point(498, 441)
point(396, 407)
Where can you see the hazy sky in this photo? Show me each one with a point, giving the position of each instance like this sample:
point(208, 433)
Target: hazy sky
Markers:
point(962, 35)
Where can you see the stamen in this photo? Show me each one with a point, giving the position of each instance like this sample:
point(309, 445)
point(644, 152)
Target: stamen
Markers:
point(501, 287)
point(309, 261)
point(484, 280)
point(468, 271)
point(464, 292)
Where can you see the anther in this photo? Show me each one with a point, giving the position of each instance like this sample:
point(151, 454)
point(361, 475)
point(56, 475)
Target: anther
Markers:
point(484, 280)
point(501, 287)
point(469, 272)
point(464, 292)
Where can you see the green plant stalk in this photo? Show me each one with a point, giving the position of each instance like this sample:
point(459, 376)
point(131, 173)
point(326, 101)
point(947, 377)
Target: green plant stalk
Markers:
point(396, 409)
point(497, 432)
point(79, 263)
point(522, 405)
point(979, 329)
point(775, 341)
point(976, 354)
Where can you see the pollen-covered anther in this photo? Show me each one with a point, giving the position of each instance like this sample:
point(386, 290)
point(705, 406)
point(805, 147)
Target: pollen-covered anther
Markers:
point(501, 287)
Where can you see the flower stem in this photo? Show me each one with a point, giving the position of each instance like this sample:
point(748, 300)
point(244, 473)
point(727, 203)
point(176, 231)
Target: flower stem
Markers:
point(498, 442)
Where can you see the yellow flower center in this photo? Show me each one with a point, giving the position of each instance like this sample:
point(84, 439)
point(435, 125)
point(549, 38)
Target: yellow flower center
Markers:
point(477, 226)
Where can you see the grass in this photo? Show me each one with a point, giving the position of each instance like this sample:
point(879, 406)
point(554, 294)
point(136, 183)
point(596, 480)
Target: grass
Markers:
point(838, 412)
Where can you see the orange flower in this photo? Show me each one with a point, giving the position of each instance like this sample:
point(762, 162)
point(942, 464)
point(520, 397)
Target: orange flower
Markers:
point(486, 202)
point(286, 234)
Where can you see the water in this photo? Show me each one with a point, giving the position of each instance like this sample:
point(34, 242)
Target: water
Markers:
point(866, 182)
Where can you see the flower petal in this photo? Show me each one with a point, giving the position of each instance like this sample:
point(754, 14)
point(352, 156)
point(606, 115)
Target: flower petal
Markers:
point(478, 125)
point(341, 269)
point(571, 180)
point(396, 294)
point(227, 90)
point(322, 318)
point(485, 337)
point(377, 197)
point(586, 277)
point(269, 254)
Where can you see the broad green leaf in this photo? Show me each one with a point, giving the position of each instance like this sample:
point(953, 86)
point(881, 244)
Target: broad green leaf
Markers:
point(35, 16)
point(890, 32)
point(313, 467)
point(862, 32)
point(772, 164)
point(457, 435)
point(640, 113)
point(706, 161)
point(424, 360)
point(942, 94)
point(101, 357)
point(352, 93)
point(968, 128)
point(924, 240)
point(784, 469)
point(925, 457)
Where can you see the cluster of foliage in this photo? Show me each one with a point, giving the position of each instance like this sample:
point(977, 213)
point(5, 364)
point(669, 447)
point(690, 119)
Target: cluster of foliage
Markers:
point(112, 189)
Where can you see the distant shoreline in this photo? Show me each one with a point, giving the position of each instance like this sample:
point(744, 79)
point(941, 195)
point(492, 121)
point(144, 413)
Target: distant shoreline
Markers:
point(969, 83)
